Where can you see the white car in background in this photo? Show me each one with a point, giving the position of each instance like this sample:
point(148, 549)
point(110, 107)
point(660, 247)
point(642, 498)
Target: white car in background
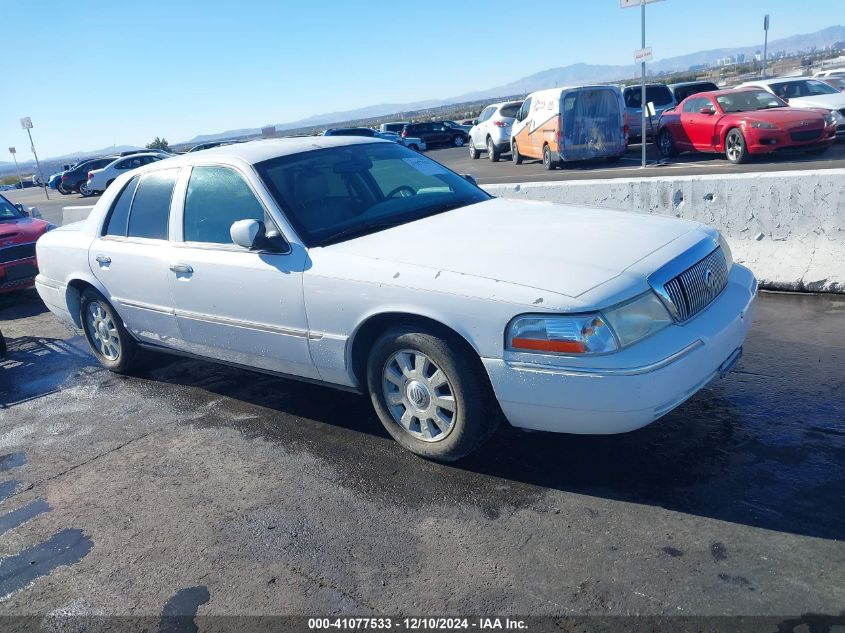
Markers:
point(492, 132)
point(100, 179)
point(359, 264)
point(800, 92)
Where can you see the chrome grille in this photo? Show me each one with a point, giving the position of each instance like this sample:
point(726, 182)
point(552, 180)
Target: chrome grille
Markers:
point(14, 253)
point(697, 287)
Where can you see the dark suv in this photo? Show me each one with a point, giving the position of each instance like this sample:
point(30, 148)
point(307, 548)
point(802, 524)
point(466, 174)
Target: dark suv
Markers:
point(77, 177)
point(436, 133)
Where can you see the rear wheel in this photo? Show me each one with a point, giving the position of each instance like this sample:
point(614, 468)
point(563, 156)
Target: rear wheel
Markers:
point(458, 140)
point(473, 153)
point(735, 149)
point(431, 395)
point(666, 144)
point(414, 147)
point(548, 162)
point(492, 152)
point(83, 189)
point(516, 157)
point(109, 340)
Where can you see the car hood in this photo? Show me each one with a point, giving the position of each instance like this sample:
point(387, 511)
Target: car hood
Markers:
point(829, 102)
point(557, 248)
point(21, 231)
point(784, 116)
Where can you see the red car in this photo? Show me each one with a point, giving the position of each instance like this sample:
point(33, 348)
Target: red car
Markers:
point(18, 234)
point(740, 123)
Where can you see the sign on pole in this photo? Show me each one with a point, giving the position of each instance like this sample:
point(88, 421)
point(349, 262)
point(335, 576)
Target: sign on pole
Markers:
point(26, 123)
point(643, 55)
point(627, 4)
point(12, 150)
point(766, 22)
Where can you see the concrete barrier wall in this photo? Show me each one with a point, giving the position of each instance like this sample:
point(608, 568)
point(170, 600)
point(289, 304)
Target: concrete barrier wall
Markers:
point(788, 227)
point(75, 214)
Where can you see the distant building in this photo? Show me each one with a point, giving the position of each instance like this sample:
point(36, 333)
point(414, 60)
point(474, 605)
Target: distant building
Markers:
point(268, 132)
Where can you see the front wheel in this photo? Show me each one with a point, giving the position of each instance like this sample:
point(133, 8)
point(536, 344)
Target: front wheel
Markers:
point(109, 340)
point(458, 140)
point(735, 149)
point(430, 393)
point(473, 153)
point(84, 190)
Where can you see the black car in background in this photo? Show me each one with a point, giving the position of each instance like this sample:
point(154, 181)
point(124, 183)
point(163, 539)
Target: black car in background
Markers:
point(349, 131)
point(76, 179)
point(687, 88)
point(436, 133)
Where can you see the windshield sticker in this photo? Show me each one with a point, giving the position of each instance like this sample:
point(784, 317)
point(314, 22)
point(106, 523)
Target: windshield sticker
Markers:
point(425, 166)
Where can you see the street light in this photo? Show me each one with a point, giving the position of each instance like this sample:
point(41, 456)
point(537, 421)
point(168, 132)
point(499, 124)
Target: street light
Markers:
point(26, 124)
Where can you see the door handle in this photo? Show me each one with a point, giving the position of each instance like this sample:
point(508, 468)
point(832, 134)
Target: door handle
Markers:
point(181, 268)
point(102, 259)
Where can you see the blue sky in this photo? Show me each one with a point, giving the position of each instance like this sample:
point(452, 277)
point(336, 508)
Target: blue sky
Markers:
point(96, 73)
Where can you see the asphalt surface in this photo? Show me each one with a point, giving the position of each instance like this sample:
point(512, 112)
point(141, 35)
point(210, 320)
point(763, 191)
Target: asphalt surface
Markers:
point(196, 488)
point(689, 164)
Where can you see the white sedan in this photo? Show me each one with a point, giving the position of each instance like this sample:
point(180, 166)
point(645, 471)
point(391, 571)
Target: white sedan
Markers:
point(99, 179)
point(801, 92)
point(360, 264)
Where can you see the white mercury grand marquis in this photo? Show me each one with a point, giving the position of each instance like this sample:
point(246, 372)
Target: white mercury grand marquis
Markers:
point(360, 264)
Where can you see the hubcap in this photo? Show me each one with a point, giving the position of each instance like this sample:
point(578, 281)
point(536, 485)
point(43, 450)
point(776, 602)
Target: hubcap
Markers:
point(418, 395)
point(102, 331)
point(83, 189)
point(459, 141)
point(665, 142)
point(734, 148)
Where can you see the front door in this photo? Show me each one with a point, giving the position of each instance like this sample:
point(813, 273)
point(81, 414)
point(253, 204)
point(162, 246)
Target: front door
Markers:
point(132, 254)
point(698, 127)
point(237, 305)
point(521, 130)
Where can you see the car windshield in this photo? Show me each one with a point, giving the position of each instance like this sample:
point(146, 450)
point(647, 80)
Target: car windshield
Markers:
point(748, 100)
point(8, 211)
point(658, 95)
point(338, 193)
point(802, 88)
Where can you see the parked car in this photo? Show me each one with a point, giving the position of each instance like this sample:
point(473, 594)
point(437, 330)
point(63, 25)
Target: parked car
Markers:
point(350, 131)
point(807, 93)
point(393, 126)
point(567, 124)
point(415, 144)
point(681, 91)
point(492, 133)
point(835, 82)
point(76, 178)
point(830, 72)
point(605, 335)
point(435, 133)
point(100, 179)
point(743, 122)
point(658, 94)
point(458, 126)
point(19, 231)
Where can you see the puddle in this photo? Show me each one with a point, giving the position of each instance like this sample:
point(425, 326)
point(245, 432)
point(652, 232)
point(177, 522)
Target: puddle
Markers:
point(177, 615)
point(12, 460)
point(23, 514)
point(8, 488)
point(63, 548)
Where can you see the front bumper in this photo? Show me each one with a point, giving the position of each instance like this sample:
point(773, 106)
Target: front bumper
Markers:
point(762, 141)
point(616, 399)
point(18, 274)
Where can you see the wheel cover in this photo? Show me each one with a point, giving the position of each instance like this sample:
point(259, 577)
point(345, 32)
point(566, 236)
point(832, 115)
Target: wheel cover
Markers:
point(665, 142)
point(83, 189)
point(419, 396)
point(734, 146)
point(459, 140)
point(102, 331)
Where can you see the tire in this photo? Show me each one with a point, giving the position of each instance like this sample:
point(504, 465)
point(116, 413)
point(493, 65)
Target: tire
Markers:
point(2, 346)
point(516, 157)
point(473, 153)
point(462, 382)
point(548, 163)
point(492, 152)
point(735, 148)
point(414, 147)
point(614, 159)
point(458, 141)
point(98, 318)
point(666, 144)
point(84, 191)
point(62, 190)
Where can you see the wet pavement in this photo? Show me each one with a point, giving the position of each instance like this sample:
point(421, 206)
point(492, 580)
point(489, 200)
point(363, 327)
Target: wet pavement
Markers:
point(229, 492)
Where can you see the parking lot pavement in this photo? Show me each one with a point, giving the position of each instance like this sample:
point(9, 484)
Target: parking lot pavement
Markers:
point(51, 210)
point(238, 493)
point(691, 164)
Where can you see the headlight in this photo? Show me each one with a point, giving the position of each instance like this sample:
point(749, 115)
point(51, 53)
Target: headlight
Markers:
point(637, 319)
point(577, 334)
point(829, 119)
point(726, 251)
point(763, 125)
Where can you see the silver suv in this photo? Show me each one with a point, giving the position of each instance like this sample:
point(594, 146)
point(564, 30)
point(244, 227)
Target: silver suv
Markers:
point(492, 131)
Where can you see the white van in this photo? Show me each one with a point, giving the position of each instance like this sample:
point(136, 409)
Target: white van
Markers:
point(566, 124)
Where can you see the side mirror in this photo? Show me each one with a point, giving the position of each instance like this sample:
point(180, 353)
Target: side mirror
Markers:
point(248, 233)
point(475, 121)
point(22, 209)
point(707, 110)
point(470, 178)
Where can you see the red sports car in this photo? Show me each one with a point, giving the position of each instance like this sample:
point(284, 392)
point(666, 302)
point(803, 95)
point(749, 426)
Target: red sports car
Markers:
point(740, 123)
point(18, 234)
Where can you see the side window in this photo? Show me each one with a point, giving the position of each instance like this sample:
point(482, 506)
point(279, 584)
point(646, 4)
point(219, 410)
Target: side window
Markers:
point(151, 207)
point(218, 197)
point(485, 115)
point(119, 217)
point(124, 164)
point(525, 109)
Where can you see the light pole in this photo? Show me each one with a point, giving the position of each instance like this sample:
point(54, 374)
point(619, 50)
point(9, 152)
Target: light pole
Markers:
point(13, 152)
point(26, 123)
point(765, 42)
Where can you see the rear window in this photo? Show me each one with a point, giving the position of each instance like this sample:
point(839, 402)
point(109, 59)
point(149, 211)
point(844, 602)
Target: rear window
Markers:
point(658, 95)
point(510, 110)
point(151, 206)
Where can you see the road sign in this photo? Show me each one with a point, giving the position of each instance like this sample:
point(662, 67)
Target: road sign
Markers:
point(628, 4)
point(12, 150)
point(766, 22)
point(26, 123)
point(643, 55)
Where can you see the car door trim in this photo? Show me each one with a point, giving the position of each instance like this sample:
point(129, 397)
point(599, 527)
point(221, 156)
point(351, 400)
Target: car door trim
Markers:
point(249, 325)
point(141, 305)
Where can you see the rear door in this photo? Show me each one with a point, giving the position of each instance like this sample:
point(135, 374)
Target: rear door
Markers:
point(132, 253)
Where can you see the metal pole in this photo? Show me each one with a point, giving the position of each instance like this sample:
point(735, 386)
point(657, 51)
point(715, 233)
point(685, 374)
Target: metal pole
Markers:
point(18, 169)
point(765, 43)
point(642, 92)
point(38, 164)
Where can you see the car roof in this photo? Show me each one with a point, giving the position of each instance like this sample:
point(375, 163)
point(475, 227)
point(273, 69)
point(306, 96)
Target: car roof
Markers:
point(684, 84)
point(724, 91)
